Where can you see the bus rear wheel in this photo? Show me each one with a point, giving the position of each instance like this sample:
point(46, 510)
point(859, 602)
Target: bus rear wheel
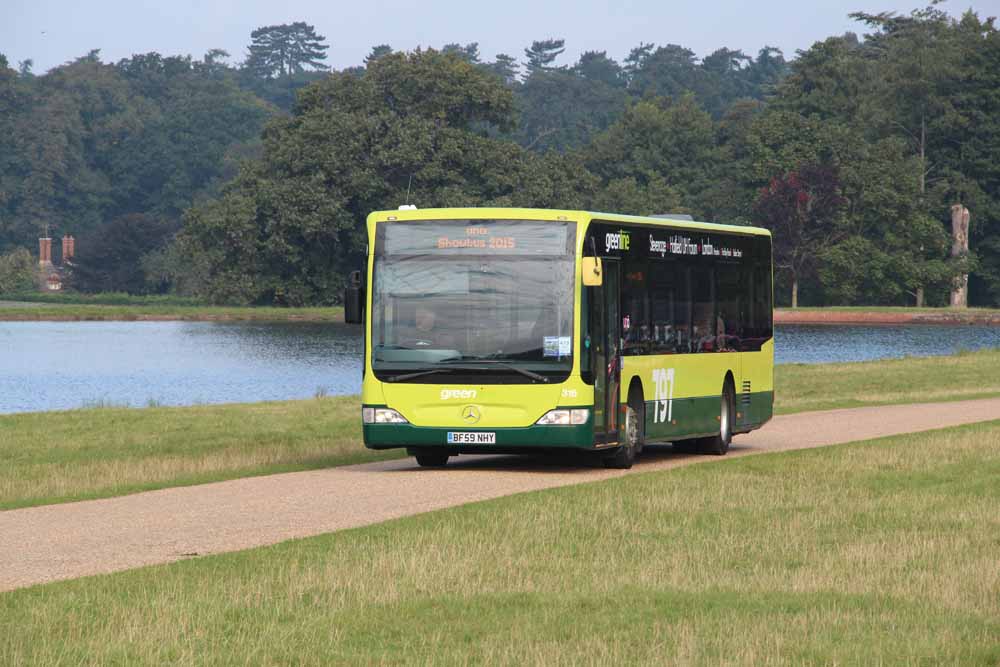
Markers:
point(719, 444)
point(430, 458)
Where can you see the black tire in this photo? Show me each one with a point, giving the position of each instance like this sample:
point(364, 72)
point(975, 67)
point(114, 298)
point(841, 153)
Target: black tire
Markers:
point(431, 458)
point(687, 446)
point(635, 434)
point(718, 445)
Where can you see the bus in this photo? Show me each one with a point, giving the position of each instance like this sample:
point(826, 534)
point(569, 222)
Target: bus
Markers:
point(508, 330)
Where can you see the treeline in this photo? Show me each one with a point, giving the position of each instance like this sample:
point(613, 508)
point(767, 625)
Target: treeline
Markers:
point(250, 183)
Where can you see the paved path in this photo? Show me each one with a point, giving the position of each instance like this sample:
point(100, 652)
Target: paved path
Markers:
point(54, 542)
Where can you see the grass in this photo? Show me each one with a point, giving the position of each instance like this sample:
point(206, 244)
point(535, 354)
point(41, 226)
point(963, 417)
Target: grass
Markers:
point(75, 312)
point(897, 315)
point(881, 552)
point(894, 309)
point(50, 457)
point(103, 298)
point(966, 375)
point(125, 307)
point(107, 451)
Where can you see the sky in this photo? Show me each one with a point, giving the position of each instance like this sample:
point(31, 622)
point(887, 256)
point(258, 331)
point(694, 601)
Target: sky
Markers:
point(51, 32)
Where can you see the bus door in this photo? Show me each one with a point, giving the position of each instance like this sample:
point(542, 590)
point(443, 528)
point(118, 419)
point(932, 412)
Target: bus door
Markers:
point(607, 358)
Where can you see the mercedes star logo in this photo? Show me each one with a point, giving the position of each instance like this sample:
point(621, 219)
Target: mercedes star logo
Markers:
point(470, 414)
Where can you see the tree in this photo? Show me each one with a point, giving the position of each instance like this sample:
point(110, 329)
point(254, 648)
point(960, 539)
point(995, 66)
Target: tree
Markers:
point(801, 208)
point(89, 142)
point(669, 71)
point(212, 63)
point(18, 271)
point(725, 72)
point(292, 224)
point(918, 58)
point(886, 242)
point(729, 194)
point(111, 259)
point(561, 110)
point(541, 54)
point(967, 155)
point(284, 50)
point(596, 66)
point(505, 67)
point(635, 60)
point(830, 80)
point(665, 147)
point(469, 53)
point(767, 70)
point(178, 149)
point(377, 52)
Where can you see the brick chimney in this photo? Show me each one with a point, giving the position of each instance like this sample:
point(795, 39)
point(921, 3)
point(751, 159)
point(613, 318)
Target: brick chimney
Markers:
point(45, 251)
point(68, 249)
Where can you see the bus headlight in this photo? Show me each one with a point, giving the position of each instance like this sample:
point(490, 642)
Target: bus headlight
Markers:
point(382, 416)
point(564, 417)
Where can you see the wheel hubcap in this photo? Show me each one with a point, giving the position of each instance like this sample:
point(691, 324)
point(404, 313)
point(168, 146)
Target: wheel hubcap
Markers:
point(724, 420)
point(632, 423)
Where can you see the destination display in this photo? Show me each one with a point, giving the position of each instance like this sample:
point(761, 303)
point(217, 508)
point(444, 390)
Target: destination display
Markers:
point(475, 237)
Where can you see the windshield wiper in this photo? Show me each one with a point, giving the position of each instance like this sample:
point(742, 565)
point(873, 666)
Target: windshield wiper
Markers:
point(496, 362)
point(466, 360)
point(410, 376)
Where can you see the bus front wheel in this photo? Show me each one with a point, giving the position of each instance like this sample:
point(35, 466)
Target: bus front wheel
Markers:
point(430, 458)
point(635, 421)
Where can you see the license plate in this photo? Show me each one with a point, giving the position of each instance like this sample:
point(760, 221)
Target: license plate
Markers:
point(471, 438)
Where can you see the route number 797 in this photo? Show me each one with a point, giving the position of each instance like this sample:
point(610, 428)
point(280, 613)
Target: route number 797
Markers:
point(663, 390)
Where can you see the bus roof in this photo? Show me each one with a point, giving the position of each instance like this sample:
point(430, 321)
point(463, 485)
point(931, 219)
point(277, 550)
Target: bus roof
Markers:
point(554, 215)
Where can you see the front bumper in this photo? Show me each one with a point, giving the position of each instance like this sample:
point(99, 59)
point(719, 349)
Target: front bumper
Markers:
point(389, 436)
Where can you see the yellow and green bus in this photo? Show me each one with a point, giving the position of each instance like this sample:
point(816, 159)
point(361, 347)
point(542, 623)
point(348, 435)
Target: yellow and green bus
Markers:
point(508, 330)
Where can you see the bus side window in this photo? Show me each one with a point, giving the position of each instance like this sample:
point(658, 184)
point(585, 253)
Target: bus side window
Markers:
point(636, 331)
point(704, 321)
point(666, 299)
point(731, 306)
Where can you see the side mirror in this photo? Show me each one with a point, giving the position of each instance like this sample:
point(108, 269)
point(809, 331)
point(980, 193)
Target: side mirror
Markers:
point(593, 272)
point(354, 299)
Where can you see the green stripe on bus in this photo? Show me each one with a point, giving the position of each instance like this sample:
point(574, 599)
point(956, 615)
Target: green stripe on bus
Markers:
point(689, 417)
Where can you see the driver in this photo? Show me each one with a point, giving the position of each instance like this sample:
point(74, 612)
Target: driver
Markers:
point(423, 333)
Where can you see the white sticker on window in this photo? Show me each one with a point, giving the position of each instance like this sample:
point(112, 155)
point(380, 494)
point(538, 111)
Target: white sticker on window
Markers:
point(565, 346)
point(550, 346)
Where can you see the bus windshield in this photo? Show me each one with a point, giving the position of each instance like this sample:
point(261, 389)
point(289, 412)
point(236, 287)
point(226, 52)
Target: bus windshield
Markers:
point(483, 298)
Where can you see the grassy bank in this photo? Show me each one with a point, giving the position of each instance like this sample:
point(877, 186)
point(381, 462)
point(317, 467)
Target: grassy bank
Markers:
point(60, 456)
point(102, 299)
point(967, 375)
point(874, 553)
point(888, 316)
point(35, 311)
point(889, 309)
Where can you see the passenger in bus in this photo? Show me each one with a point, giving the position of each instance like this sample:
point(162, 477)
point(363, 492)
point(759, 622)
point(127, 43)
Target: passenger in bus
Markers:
point(705, 333)
point(720, 334)
point(728, 339)
point(636, 338)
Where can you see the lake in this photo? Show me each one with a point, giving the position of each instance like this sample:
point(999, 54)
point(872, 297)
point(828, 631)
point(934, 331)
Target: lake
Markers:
point(65, 365)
